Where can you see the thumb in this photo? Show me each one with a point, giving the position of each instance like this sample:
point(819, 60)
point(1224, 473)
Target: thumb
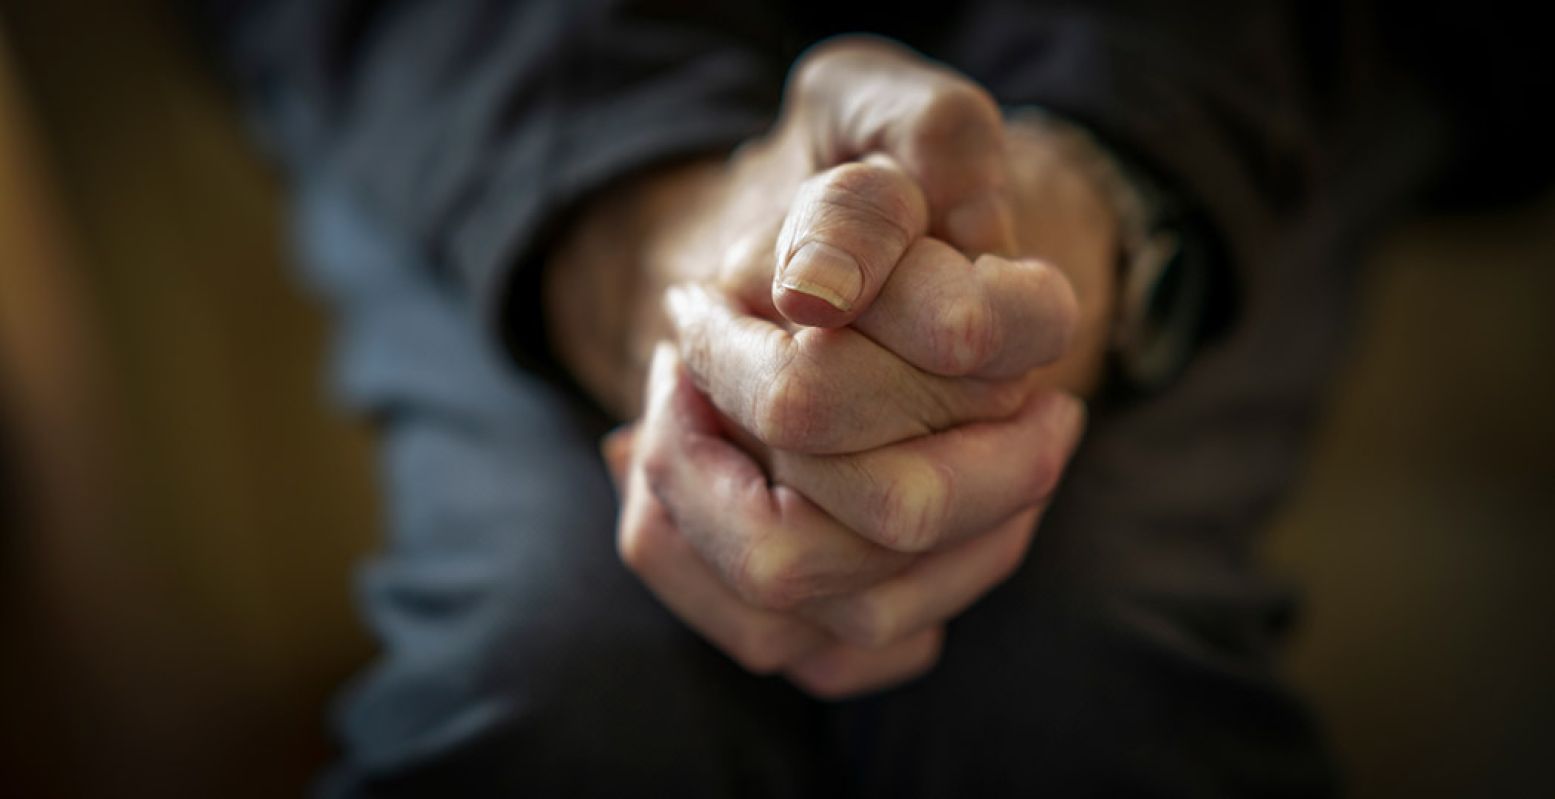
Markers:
point(854, 95)
point(843, 236)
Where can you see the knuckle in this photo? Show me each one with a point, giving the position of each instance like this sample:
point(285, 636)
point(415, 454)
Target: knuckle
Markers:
point(696, 346)
point(790, 412)
point(814, 70)
point(913, 505)
point(658, 466)
point(771, 575)
point(830, 60)
point(966, 338)
point(868, 207)
point(879, 198)
point(956, 104)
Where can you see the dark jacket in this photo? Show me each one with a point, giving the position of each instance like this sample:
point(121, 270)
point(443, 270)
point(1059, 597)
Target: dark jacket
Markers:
point(472, 128)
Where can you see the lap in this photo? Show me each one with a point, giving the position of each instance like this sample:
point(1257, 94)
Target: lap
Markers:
point(517, 654)
point(1050, 690)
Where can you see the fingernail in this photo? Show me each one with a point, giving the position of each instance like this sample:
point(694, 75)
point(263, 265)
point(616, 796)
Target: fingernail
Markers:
point(826, 273)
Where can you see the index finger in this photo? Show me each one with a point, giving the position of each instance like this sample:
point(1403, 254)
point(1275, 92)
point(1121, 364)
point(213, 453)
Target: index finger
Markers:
point(817, 390)
point(997, 318)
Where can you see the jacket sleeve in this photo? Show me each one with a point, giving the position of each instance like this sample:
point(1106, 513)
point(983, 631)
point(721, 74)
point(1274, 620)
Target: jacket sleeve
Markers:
point(1250, 112)
point(1214, 97)
point(471, 127)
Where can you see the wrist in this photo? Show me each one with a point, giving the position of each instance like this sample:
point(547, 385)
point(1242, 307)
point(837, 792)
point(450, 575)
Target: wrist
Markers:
point(603, 282)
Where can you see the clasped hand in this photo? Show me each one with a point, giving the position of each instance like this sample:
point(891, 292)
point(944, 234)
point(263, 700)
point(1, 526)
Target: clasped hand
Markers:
point(857, 410)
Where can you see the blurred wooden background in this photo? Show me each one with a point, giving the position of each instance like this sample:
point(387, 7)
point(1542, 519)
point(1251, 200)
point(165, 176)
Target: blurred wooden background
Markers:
point(181, 641)
point(178, 612)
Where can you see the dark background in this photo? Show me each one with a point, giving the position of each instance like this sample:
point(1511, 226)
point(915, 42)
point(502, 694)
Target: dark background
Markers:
point(182, 509)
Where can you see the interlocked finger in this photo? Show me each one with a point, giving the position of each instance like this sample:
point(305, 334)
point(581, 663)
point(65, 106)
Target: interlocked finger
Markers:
point(817, 390)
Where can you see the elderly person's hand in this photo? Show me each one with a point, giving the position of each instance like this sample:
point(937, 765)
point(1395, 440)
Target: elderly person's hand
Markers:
point(851, 444)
